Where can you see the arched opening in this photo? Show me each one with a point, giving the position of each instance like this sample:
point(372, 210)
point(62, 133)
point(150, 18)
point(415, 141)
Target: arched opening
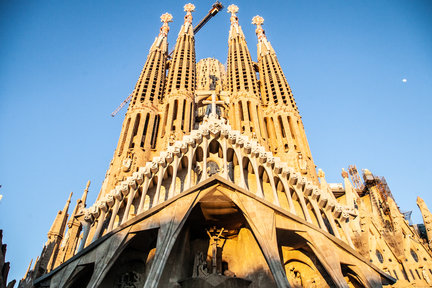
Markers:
point(249, 175)
point(283, 200)
point(231, 163)
point(213, 245)
point(312, 213)
point(351, 277)
point(302, 266)
point(327, 222)
point(265, 184)
point(81, 276)
point(215, 148)
point(297, 205)
point(133, 263)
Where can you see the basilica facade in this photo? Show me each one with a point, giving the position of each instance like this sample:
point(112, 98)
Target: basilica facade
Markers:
point(213, 184)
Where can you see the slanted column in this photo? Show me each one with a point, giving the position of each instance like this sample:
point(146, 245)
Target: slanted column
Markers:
point(117, 197)
point(132, 190)
point(175, 165)
point(189, 168)
point(86, 223)
point(205, 152)
point(103, 208)
point(145, 186)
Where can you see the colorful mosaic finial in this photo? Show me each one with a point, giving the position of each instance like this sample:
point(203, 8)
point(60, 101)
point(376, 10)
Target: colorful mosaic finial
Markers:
point(189, 8)
point(258, 21)
point(165, 18)
point(233, 9)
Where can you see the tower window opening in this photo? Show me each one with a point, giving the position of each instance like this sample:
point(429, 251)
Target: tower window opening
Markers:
point(291, 127)
point(155, 132)
point(165, 119)
point(143, 139)
point(174, 118)
point(183, 114)
point(134, 131)
point(124, 136)
point(241, 111)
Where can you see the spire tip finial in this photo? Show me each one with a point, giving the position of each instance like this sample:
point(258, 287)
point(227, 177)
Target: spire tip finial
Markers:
point(189, 8)
point(233, 9)
point(166, 17)
point(259, 21)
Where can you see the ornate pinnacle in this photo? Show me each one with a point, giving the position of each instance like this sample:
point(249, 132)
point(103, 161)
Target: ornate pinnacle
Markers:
point(233, 9)
point(189, 8)
point(344, 173)
point(258, 21)
point(165, 18)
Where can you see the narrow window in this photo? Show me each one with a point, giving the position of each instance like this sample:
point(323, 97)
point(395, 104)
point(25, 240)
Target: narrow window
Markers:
point(134, 131)
point(291, 127)
point(241, 111)
point(174, 115)
point(281, 126)
point(155, 132)
point(165, 119)
point(124, 136)
point(183, 114)
point(143, 138)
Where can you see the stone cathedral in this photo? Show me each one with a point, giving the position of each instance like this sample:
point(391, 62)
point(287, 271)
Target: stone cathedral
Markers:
point(213, 184)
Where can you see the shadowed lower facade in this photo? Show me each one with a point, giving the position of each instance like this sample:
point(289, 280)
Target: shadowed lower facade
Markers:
point(213, 184)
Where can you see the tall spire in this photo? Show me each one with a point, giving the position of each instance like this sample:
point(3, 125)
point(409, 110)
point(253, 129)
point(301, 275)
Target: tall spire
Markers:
point(245, 112)
point(179, 102)
point(139, 133)
point(149, 87)
point(427, 219)
point(285, 130)
point(55, 236)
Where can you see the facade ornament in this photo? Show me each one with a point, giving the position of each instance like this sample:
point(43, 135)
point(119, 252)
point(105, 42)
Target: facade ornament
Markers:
point(127, 163)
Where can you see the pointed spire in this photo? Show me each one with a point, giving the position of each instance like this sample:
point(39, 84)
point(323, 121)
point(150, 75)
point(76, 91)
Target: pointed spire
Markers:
point(28, 269)
point(66, 207)
point(163, 33)
point(187, 26)
point(58, 226)
point(427, 219)
point(84, 196)
point(350, 193)
point(233, 9)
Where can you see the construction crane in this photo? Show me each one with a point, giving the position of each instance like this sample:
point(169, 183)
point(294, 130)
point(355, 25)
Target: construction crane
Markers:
point(216, 7)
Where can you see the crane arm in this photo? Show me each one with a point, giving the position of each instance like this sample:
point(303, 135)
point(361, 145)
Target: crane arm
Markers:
point(216, 7)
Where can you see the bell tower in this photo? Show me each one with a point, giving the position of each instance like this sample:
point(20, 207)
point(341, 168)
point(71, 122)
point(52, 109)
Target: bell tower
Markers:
point(245, 112)
point(283, 125)
point(179, 101)
point(138, 140)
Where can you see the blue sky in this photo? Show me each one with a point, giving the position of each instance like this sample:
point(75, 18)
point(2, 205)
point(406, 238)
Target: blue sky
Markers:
point(66, 65)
